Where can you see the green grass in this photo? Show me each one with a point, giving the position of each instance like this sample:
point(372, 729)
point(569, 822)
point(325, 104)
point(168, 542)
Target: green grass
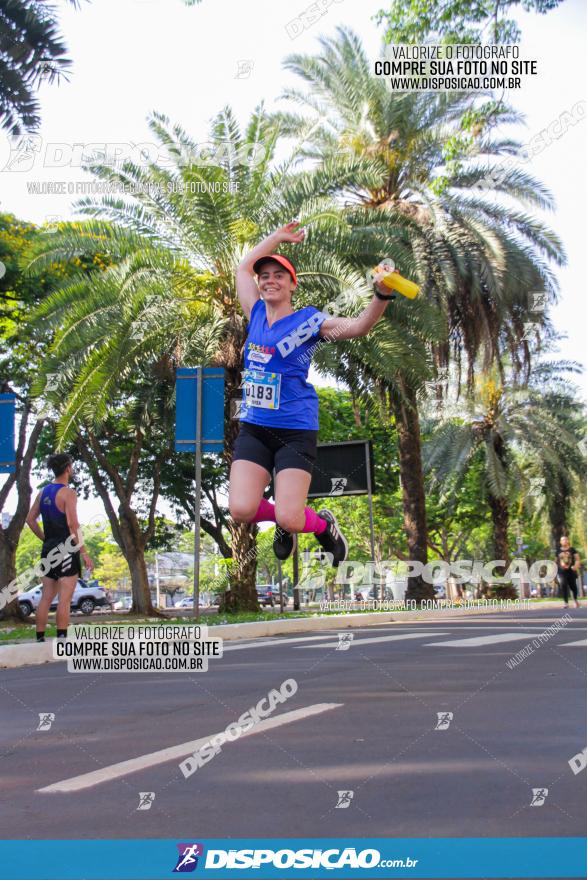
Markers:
point(14, 631)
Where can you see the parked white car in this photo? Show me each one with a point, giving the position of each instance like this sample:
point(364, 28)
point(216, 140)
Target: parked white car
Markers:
point(188, 602)
point(84, 598)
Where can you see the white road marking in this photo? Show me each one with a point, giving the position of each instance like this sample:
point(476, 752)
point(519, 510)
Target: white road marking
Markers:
point(580, 643)
point(423, 633)
point(375, 639)
point(269, 642)
point(508, 626)
point(115, 771)
point(483, 640)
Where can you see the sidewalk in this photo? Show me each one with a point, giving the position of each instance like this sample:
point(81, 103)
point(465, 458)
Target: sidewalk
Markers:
point(33, 653)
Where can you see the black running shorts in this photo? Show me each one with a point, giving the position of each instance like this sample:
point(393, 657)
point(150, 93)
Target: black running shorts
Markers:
point(68, 565)
point(277, 448)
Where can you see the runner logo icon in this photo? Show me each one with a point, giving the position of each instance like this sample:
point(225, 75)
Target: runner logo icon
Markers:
point(539, 795)
point(344, 799)
point(444, 719)
point(46, 719)
point(338, 485)
point(187, 859)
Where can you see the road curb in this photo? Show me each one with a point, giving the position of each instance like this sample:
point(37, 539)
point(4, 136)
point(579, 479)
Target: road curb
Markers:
point(33, 653)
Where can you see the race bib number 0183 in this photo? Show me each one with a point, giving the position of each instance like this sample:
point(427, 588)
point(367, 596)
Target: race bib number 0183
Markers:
point(262, 389)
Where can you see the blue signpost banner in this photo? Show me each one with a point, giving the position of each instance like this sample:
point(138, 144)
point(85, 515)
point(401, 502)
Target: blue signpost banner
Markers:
point(199, 428)
point(186, 405)
point(7, 433)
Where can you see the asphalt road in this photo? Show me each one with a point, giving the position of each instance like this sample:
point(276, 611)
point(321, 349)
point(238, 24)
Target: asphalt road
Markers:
point(369, 728)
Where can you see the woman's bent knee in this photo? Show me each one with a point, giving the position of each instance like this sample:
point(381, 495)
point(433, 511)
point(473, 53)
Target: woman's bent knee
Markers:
point(240, 513)
point(289, 520)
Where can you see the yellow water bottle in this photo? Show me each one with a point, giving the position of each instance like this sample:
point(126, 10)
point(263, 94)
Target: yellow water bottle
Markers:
point(393, 280)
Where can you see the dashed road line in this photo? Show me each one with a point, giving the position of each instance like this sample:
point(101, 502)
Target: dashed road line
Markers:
point(482, 640)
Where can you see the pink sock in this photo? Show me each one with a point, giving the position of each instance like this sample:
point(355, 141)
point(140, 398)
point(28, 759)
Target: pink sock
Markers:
point(265, 512)
point(314, 523)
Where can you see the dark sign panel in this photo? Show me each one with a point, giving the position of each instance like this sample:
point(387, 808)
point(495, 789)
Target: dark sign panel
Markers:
point(341, 469)
point(7, 438)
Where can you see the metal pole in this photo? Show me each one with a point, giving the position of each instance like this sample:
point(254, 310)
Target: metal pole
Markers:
point(371, 526)
point(306, 578)
point(296, 577)
point(157, 579)
point(280, 580)
point(197, 499)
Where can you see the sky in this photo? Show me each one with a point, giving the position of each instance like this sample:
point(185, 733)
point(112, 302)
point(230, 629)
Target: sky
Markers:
point(132, 57)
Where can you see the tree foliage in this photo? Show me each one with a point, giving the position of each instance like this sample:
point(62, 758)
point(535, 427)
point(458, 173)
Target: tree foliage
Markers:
point(457, 21)
point(32, 52)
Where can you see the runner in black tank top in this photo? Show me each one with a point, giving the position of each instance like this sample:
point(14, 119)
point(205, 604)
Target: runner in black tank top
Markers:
point(57, 532)
point(62, 544)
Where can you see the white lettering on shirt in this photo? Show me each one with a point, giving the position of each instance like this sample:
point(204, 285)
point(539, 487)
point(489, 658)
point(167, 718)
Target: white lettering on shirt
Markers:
point(298, 336)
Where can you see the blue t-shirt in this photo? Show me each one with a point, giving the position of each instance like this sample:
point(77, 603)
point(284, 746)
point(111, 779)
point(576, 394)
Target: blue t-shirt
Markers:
point(276, 390)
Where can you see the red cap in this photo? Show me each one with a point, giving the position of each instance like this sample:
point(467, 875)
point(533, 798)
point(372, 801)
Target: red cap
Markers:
point(277, 258)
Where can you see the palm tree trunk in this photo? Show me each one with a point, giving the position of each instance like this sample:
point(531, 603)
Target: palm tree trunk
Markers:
point(557, 514)
point(500, 520)
point(242, 575)
point(499, 511)
point(407, 422)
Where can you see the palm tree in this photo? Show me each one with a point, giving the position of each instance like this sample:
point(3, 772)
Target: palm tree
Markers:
point(504, 422)
point(557, 478)
point(32, 52)
point(477, 260)
point(387, 376)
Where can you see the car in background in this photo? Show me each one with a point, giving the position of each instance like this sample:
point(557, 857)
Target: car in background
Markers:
point(268, 594)
point(122, 604)
point(371, 595)
point(188, 601)
point(84, 598)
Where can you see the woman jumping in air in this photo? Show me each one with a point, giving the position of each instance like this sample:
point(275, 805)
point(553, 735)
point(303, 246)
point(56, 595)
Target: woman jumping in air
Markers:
point(279, 418)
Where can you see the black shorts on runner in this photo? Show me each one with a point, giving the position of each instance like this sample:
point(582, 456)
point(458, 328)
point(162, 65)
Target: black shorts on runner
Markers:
point(68, 566)
point(277, 448)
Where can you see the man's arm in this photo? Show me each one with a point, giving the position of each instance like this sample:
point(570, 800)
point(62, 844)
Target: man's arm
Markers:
point(246, 286)
point(74, 526)
point(577, 564)
point(33, 516)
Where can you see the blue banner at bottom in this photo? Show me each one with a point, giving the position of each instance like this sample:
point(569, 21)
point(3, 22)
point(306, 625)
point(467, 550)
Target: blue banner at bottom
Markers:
point(312, 858)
